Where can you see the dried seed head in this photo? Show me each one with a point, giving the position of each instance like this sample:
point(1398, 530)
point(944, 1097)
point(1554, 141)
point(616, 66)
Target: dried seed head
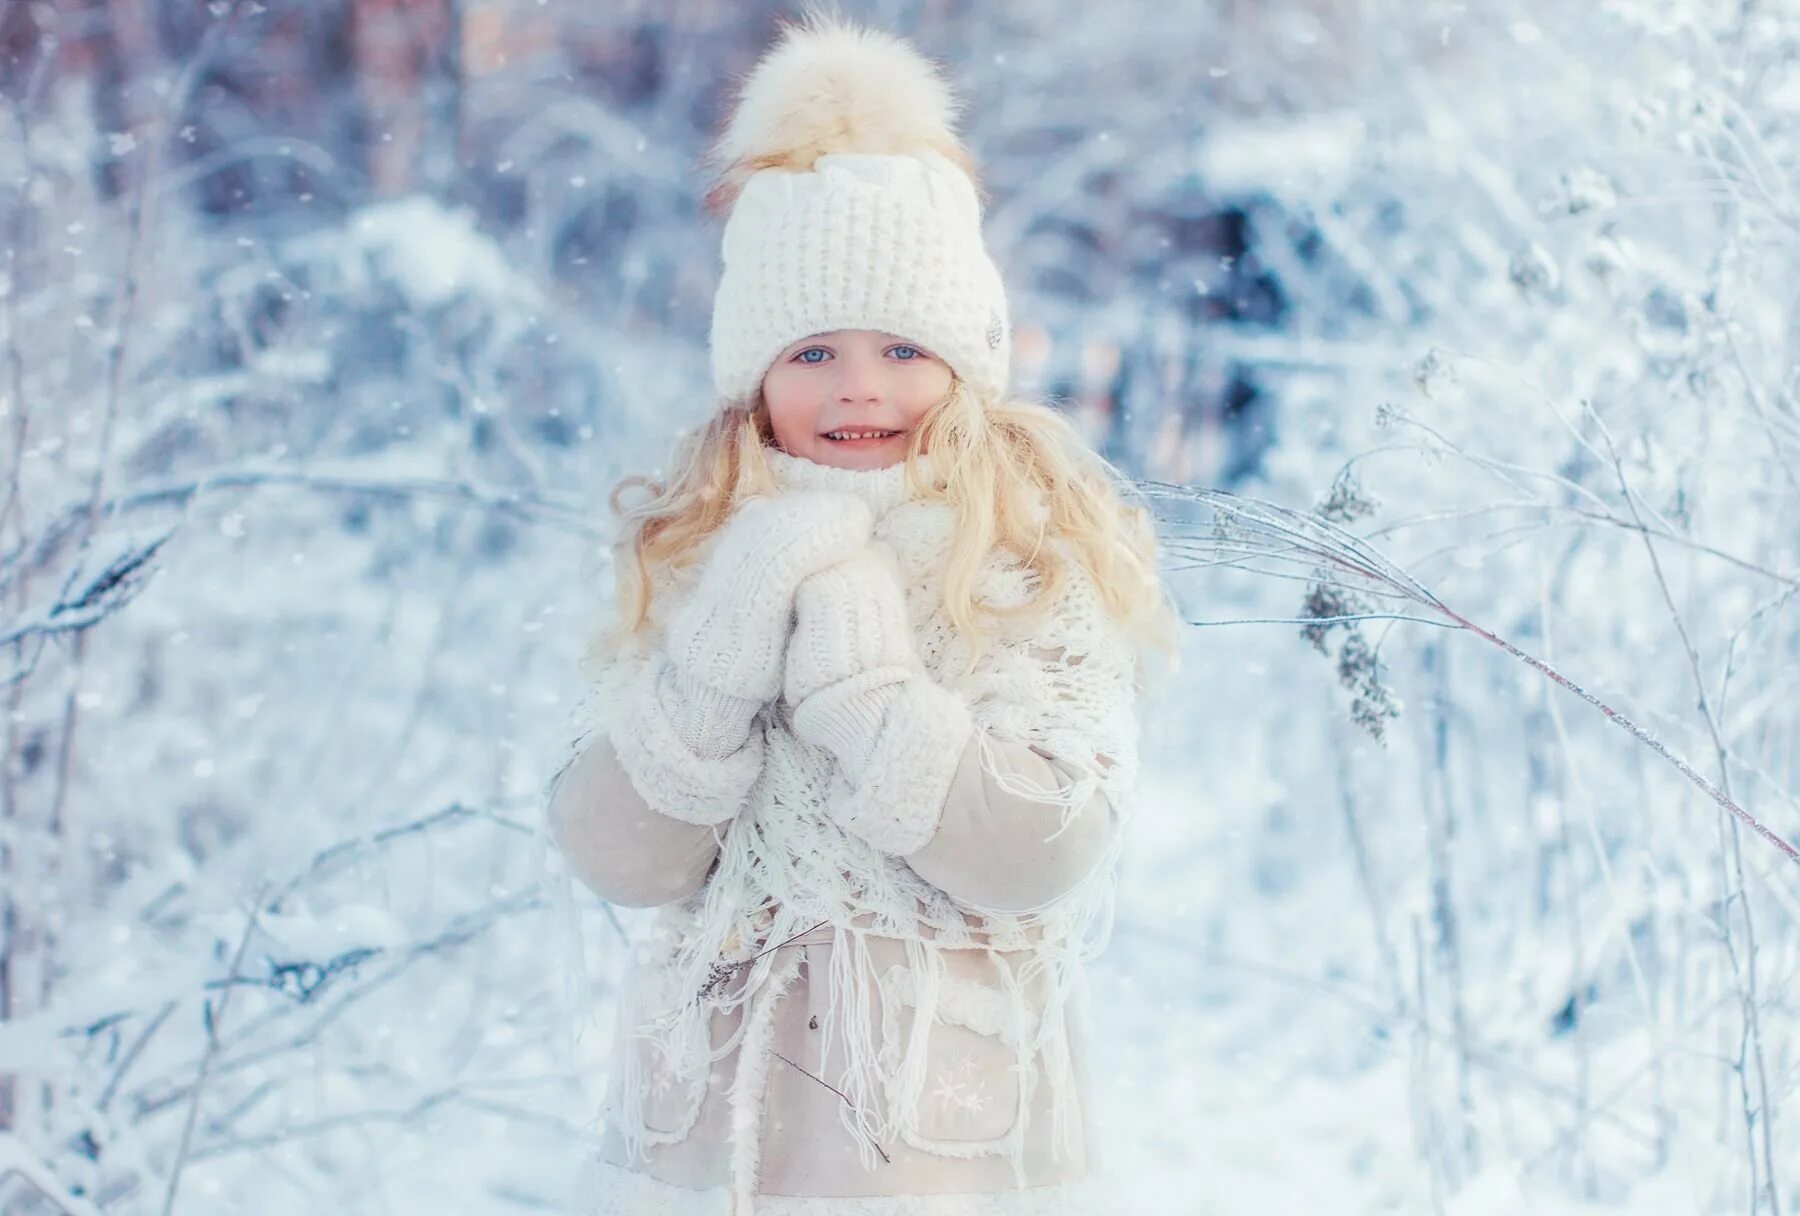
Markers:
point(1359, 670)
point(1324, 602)
point(1346, 501)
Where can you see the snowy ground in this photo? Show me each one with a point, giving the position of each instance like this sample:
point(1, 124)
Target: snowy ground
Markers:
point(272, 822)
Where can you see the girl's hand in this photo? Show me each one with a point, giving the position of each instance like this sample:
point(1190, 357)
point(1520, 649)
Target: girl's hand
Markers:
point(860, 691)
point(851, 644)
point(730, 635)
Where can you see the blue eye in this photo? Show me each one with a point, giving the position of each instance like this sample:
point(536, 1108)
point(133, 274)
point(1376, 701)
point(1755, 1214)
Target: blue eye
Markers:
point(811, 350)
point(915, 350)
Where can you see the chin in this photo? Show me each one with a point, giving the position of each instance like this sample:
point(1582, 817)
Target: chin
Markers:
point(850, 456)
point(839, 460)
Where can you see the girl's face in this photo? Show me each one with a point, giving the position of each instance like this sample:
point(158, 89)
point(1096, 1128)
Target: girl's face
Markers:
point(826, 392)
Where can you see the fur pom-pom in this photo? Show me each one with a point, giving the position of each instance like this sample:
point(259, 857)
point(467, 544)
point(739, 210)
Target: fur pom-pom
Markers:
point(828, 85)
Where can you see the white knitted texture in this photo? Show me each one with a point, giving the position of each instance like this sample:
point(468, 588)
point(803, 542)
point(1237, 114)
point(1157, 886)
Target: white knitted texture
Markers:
point(731, 633)
point(849, 618)
point(906, 740)
point(711, 724)
point(680, 710)
point(637, 702)
point(858, 689)
point(807, 845)
point(862, 241)
point(846, 718)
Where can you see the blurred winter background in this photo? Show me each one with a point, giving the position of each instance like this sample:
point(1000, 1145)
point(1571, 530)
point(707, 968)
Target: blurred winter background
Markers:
point(326, 325)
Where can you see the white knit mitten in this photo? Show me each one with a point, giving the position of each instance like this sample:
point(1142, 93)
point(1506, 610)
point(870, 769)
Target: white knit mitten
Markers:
point(851, 645)
point(730, 634)
point(709, 723)
point(859, 690)
point(682, 714)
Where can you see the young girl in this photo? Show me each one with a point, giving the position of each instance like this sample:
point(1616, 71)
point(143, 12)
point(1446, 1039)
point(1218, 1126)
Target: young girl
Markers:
point(863, 726)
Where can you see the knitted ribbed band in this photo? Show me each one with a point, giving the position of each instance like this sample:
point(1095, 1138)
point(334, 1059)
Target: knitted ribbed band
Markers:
point(863, 241)
point(852, 206)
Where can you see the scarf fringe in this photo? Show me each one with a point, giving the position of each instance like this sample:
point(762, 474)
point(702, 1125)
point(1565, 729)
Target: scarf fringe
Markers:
point(786, 866)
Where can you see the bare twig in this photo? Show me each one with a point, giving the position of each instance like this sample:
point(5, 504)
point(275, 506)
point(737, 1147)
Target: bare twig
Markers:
point(840, 1093)
point(505, 501)
point(344, 852)
point(1246, 521)
point(1366, 878)
point(133, 1052)
point(1441, 828)
point(722, 971)
point(212, 1017)
point(1743, 970)
point(462, 929)
point(402, 1116)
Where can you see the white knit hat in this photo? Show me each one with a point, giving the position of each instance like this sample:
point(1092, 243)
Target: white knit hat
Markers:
point(852, 206)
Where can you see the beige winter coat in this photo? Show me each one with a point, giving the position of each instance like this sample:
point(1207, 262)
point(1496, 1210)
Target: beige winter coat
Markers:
point(991, 850)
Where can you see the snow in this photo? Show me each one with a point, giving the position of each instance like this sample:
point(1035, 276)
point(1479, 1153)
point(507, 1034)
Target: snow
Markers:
point(434, 255)
point(1527, 272)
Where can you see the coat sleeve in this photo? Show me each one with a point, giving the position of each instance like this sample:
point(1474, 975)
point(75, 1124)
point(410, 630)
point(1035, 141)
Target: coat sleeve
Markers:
point(642, 713)
point(1040, 795)
point(621, 848)
point(999, 850)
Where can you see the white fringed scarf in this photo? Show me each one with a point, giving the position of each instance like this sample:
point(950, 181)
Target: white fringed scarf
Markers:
point(1066, 683)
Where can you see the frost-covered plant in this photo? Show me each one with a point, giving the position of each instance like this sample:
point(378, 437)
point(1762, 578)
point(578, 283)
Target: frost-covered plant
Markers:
point(301, 474)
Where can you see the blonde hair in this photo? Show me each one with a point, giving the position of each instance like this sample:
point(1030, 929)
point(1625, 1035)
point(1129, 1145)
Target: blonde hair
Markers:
point(995, 462)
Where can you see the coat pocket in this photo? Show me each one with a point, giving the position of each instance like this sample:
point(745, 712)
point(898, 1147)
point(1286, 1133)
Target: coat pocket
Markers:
point(972, 1100)
point(651, 1089)
point(671, 1100)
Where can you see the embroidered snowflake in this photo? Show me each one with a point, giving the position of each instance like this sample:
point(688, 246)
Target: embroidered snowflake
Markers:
point(959, 1086)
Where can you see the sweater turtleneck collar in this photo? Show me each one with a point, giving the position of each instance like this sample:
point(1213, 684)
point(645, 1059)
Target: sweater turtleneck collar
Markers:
point(883, 489)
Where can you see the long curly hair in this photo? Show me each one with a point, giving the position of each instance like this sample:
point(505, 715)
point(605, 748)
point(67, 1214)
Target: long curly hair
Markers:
point(998, 465)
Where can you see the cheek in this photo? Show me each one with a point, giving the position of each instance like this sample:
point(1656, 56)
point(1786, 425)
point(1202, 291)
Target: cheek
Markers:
point(791, 414)
point(928, 391)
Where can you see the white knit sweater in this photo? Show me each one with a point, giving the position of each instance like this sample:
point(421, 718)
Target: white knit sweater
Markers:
point(806, 851)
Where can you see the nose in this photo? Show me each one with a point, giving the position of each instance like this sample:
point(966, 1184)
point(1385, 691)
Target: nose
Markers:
point(859, 378)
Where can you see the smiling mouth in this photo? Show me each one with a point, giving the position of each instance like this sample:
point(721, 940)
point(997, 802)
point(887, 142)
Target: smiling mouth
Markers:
point(859, 435)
